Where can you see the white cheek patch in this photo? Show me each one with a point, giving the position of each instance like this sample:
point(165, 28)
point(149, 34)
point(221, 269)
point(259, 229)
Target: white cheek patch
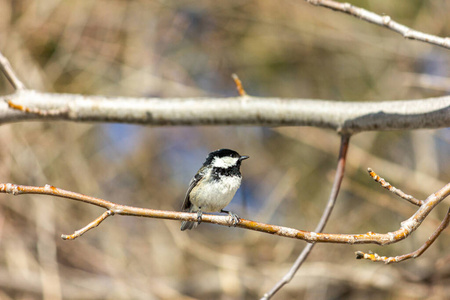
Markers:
point(224, 162)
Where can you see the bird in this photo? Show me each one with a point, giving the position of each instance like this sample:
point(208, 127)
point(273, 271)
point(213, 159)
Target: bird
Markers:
point(214, 186)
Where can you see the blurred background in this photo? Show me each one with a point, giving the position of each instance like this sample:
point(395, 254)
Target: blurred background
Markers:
point(190, 48)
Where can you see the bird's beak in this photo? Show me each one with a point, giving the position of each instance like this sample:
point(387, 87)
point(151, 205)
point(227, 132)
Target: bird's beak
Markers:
point(243, 157)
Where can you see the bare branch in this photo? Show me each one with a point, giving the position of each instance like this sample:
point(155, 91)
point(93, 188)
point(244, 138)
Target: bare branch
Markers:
point(239, 86)
point(384, 21)
point(406, 228)
point(345, 117)
point(345, 140)
point(88, 227)
point(387, 260)
point(394, 190)
point(37, 111)
point(6, 68)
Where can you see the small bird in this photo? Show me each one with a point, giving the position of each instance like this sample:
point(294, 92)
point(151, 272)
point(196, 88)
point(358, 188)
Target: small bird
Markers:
point(214, 185)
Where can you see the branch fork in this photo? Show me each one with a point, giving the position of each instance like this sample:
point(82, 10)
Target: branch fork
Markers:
point(28, 105)
point(412, 223)
point(407, 227)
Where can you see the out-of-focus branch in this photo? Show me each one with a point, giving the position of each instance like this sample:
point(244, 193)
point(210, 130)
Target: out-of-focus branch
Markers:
point(6, 68)
point(345, 140)
point(345, 117)
point(384, 21)
point(239, 86)
point(387, 260)
point(406, 228)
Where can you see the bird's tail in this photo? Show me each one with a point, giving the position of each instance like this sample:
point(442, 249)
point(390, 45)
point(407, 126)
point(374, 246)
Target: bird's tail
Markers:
point(187, 224)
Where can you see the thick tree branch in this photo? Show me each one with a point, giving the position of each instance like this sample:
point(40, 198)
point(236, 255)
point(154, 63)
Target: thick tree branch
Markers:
point(384, 21)
point(345, 117)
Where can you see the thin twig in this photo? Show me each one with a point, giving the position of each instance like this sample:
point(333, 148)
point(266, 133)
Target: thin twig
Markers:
point(340, 169)
point(394, 190)
point(406, 228)
point(239, 86)
point(384, 21)
point(395, 259)
point(88, 227)
point(6, 68)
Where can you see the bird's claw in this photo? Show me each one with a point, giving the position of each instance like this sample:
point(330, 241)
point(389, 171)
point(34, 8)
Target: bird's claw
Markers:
point(199, 216)
point(234, 218)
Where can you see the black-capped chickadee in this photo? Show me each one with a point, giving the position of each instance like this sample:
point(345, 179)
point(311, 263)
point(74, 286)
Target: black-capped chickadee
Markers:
point(214, 185)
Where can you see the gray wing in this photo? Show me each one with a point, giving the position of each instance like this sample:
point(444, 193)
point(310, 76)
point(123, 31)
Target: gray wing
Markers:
point(187, 203)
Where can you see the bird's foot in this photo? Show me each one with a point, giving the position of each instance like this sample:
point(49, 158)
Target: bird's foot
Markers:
point(199, 217)
point(234, 217)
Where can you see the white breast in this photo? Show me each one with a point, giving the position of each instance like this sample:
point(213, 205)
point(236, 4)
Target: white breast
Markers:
point(215, 195)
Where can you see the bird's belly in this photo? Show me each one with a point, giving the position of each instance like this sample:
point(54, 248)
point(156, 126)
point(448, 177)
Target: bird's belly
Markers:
point(215, 196)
